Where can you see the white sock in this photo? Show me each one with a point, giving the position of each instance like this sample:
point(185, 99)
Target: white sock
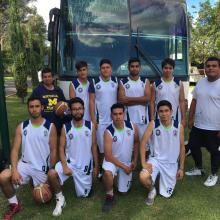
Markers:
point(59, 195)
point(110, 192)
point(13, 199)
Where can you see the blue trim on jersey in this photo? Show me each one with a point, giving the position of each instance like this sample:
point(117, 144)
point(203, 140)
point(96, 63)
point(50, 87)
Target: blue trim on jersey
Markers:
point(157, 123)
point(124, 81)
point(68, 126)
point(177, 81)
point(158, 82)
point(114, 79)
point(111, 129)
point(142, 79)
point(91, 87)
point(88, 124)
point(97, 80)
point(128, 125)
point(175, 123)
point(47, 124)
point(25, 123)
point(75, 83)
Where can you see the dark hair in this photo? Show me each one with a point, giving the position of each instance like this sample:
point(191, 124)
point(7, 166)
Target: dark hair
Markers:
point(81, 64)
point(164, 103)
point(46, 70)
point(117, 105)
point(213, 59)
point(75, 100)
point(169, 61)
point(33, 98)
point(103, 61)
point(132, 60)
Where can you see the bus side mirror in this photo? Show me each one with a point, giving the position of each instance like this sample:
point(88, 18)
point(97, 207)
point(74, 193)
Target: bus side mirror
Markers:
point(50, 31)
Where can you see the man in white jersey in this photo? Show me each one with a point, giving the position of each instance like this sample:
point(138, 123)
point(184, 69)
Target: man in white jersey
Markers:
point(121, 142)
point(204, 121)
point(166, 148)
point(37, 137)
point(171, 89)
point(78, 153)
point(102, 95)
point(79, 87)
point(134, 92)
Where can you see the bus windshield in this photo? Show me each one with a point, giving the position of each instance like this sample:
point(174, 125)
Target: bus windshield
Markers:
point(95, 29)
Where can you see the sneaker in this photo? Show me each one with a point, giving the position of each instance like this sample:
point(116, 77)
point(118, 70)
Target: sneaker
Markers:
point(12, 210)
point(109, 201)
point(61, 203)
point(211, 180)
point(151, 196)
point(194, 172)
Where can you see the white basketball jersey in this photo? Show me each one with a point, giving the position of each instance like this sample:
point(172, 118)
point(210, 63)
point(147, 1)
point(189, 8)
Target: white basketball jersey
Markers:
point(136, 113)
point(165, 142)
point(122, 141)
point(169, 91)
point(105, 97)
point(81, 91)
point(78, 147)
point(35, 145)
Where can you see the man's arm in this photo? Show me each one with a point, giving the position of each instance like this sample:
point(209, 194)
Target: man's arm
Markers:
point(136, 146)
point(192, 110)
point(182, 105)
point(180, 172)
point(53, 146)
point(92, 108)
point(72, 93)
point(95, 152)
point(152, 102)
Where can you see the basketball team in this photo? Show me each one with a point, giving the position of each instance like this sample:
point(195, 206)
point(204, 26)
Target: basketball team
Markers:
point(107, 123)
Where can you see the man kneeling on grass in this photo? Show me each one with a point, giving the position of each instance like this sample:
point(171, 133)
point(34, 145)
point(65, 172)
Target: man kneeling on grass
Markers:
point(120, 139)
point(166, 147)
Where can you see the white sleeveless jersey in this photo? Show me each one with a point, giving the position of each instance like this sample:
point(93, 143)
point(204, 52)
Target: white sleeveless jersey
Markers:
point(82, 92)
point(169, 91)
point(122, 142)
point(165, 142)
point(35, 145)
point(105, 97)
point(136, 113)
point(78, 147)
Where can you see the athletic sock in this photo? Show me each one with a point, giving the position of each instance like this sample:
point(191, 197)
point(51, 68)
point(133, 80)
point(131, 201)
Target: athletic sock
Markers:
point(59, 195)
point(110, 193)
point(13, 199)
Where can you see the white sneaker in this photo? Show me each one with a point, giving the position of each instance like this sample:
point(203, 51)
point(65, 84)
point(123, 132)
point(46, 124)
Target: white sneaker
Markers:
point(211, 180)
point(59, 206)
point(151, 196)
point(194, 172)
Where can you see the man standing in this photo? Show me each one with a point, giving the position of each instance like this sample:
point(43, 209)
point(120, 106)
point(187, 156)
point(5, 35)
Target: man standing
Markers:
point(134, 92)
point(50, 95)
point(120, 142)
point(167, 146)
point(38, 139)
point(204, 120)
point(78, 152)
point(102, 95)
point(79, 87)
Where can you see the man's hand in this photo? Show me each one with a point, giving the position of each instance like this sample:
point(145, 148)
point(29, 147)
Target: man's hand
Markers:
point(67, 171)
point(16, 177)
point(179, 174)
point(148, 167)
point(127, 169)
point(133, 165)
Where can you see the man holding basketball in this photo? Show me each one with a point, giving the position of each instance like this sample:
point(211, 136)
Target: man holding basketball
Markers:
point(37, 136)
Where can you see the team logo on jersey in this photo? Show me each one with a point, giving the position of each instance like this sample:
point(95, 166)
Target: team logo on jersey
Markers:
point(70, 136)
point(113, 85)
point(129, 132)
point(175, 133)
point(158, 132)
point(25, 132)
point(115, 139)
point(80, 90)
point(45, 133)
point(127, 86)
point(160, 87)
point(87, 133)
point(98, 86)
point(169, 190)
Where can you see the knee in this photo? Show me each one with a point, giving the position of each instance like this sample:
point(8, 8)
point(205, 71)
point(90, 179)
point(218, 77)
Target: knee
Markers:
point(108, 174)
point(145, 178)
point(52, 174)
point(5, 176)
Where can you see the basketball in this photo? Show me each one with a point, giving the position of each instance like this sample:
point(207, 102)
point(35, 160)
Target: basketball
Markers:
point(42, 193)
point(60, 108)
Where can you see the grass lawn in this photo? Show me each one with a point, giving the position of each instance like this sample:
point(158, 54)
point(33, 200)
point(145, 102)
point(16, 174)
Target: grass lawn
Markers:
point(191, 200)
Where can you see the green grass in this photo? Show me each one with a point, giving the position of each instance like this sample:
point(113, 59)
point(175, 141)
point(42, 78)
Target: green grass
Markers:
point(191, 200)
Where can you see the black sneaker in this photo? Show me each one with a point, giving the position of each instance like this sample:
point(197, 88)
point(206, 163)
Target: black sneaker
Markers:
point(109, 201)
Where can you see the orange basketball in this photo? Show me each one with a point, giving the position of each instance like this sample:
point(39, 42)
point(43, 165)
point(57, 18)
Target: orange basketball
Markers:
point(60, 108)
point(42, 193)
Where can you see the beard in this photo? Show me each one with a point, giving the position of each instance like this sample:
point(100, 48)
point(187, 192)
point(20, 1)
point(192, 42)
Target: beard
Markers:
point(78, 117)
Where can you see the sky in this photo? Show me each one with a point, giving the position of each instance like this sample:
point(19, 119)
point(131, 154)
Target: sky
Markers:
point(44, 6)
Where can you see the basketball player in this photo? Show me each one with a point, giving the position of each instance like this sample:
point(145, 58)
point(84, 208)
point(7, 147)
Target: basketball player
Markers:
point(135, 93)
point(170, 89)
point(166, 148)
point(79, 87)
point(78, 152)
point(120, 142)
point(102, 95)
point(38, 139)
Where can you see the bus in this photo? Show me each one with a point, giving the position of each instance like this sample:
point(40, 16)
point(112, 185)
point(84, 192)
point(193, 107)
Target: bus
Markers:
point(90, 30)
